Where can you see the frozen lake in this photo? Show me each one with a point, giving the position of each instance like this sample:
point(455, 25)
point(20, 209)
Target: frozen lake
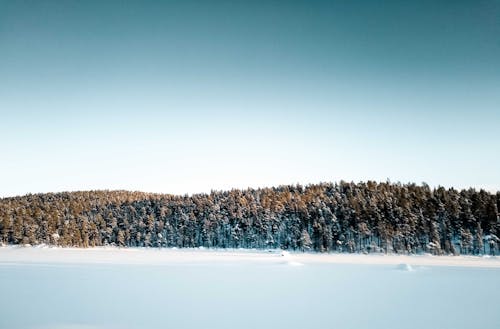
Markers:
point(75, 289)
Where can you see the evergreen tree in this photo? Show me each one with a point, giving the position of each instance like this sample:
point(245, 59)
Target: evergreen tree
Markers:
point(343, 217)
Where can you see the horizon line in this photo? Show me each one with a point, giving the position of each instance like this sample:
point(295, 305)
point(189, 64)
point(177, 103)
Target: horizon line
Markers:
point(190, 194)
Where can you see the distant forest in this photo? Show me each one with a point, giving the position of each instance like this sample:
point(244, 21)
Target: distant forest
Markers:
point(328, 217)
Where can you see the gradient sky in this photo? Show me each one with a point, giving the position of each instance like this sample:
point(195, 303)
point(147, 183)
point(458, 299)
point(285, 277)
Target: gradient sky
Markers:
point(189, 96)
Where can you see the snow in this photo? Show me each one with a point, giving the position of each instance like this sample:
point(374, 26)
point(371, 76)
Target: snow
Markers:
point(405, 267)
point(165, 256)
point(112, 288)
point(285, 254)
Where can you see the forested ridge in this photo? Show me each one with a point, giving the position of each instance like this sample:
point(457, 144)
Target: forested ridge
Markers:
point(326, 217)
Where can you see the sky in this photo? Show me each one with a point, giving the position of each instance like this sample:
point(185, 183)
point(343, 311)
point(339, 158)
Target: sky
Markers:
point(193, 96)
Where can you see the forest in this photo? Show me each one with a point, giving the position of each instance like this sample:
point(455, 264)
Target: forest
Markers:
point(328, 217)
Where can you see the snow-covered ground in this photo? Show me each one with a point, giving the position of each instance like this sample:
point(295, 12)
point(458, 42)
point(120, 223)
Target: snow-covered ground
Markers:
point(164, 256)
point(56, 288)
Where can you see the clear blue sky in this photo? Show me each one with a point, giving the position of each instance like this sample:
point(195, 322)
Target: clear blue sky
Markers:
point(189, 96)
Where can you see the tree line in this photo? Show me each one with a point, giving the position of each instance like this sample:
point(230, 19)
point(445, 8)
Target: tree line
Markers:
point(327, 217)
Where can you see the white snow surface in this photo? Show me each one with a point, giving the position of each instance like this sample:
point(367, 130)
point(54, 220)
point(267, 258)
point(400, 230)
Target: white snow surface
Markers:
point(165, 256)
point(113, 288)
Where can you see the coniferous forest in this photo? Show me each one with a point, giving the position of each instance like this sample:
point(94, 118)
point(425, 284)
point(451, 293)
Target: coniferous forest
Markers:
point(328, 217)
